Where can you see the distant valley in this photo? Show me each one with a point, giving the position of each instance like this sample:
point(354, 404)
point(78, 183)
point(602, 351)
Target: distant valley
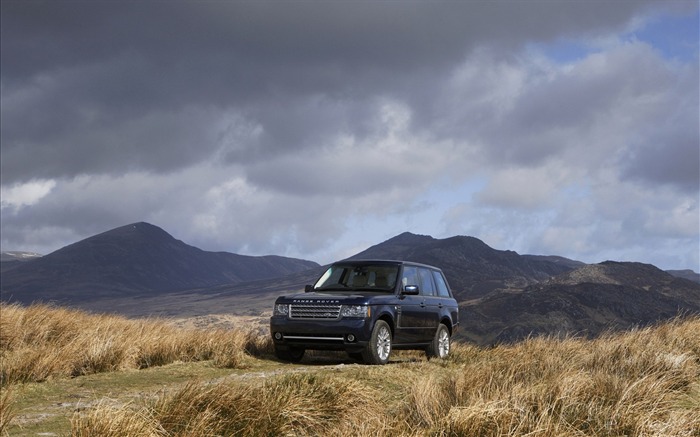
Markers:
point(140, 270)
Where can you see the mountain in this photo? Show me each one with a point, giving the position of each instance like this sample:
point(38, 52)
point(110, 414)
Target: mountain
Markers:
point(686, 274)
point(506, 297)
point(472, 268)
point(18, 256)
point(587, 301)
point(560, 260)
point(132, 260)
point(140, 270)
point(249, 298)
point(10, 260)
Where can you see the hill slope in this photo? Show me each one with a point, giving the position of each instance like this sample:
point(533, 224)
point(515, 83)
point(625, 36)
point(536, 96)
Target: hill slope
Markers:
point(471, 266)
point(12, 259)
point(130, 260)
point(586, 301)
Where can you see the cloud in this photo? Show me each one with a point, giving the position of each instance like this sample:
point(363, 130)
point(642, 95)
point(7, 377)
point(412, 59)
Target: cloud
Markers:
point(267, 127)
point(520, 188)
point(27, 194)
point(93, 78)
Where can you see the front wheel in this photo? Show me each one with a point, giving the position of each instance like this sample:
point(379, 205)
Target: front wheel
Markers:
point(440, 346)
point(379, 346)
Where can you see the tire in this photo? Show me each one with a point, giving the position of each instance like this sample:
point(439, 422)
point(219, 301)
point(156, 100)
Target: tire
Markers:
point(292, 355)
point(379, 346)
point(441, 344)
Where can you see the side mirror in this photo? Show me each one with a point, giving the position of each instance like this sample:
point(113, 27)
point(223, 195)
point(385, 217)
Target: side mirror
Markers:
point(308, 288)
point(410, 290)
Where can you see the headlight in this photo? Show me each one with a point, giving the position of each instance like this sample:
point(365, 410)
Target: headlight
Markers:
point(281, 309)
point(354, 311)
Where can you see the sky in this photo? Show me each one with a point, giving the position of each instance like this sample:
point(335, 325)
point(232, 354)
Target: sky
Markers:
point(315, 129)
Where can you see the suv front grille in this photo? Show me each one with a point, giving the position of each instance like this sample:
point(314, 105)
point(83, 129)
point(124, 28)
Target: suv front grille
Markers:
point(314, 311)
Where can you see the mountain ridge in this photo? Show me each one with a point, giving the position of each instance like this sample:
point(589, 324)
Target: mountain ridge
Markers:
point(588, 301)
point(141, 270)
point(134, 259)
point(472, 267)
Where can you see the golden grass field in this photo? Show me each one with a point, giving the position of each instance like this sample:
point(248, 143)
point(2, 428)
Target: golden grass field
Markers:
point(66, 372)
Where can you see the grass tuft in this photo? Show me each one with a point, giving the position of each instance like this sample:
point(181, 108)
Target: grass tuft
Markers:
point(7, 411)
point(295, 404)
point(40, 342)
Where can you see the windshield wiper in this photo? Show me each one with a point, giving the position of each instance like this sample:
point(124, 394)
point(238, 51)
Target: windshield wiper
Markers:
point(384, 289)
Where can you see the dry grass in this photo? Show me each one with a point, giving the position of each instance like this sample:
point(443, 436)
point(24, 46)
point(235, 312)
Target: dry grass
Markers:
point(295, 404)
point(122, 422)
point(637, 384)
point(40, 342)
point(7, 412)
point(640, 383)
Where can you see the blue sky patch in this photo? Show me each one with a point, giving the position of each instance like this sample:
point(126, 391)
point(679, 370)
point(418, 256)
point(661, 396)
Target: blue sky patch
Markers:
point(674, 36)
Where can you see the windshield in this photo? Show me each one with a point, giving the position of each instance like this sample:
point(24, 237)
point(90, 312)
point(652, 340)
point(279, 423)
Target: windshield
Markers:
point(366, 277)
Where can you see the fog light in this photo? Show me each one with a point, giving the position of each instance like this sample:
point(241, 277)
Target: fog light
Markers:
point(351, 338)
point(278, 336)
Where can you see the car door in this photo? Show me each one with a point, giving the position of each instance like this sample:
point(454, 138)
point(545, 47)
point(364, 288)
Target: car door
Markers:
point(432, 303)
point(410, 321)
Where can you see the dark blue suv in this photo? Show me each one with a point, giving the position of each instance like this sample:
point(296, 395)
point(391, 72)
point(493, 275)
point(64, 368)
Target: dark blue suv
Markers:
point(367, 308)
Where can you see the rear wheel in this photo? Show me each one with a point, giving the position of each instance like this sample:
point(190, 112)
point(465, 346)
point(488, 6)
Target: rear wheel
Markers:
point(440, 346)
point(379, 347)
point(292, 355)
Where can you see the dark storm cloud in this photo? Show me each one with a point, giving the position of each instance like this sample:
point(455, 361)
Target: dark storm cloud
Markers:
point(45, 35)
point(93, 87)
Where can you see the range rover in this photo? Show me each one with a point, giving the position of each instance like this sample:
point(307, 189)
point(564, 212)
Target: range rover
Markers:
point(368, 308)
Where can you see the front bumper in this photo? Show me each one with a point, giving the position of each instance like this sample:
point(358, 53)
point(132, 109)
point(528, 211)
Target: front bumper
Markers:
point(351, 335)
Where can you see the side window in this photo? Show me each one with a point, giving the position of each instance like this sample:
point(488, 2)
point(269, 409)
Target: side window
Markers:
point(442, 289)
point(426, 283)
point(410, 276)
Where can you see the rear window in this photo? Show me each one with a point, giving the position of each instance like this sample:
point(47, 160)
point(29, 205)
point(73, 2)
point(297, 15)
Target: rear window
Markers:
point(441, 285)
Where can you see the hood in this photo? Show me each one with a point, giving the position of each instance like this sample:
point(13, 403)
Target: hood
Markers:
point(347, 298)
